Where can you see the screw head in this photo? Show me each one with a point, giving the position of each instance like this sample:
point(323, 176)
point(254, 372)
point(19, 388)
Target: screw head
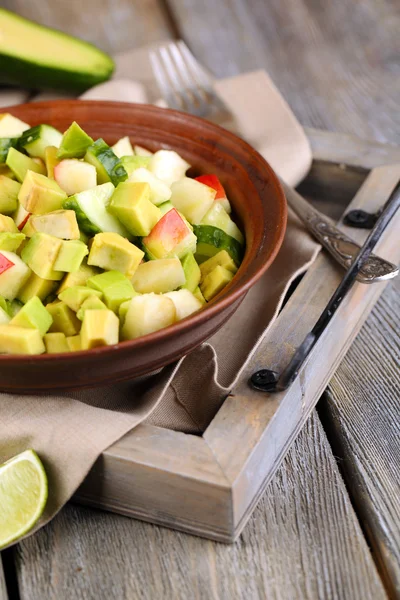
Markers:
point(264, 380)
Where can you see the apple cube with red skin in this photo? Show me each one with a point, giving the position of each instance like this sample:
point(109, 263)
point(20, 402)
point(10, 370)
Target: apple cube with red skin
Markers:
point(21, 217)
point(170, 237)
point(213, 182)
point(13, 274)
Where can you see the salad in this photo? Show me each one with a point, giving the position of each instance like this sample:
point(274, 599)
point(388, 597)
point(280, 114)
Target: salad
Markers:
point(101, 244)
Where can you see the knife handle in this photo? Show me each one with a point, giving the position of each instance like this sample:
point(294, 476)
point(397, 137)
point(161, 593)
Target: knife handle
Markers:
point(340, 246)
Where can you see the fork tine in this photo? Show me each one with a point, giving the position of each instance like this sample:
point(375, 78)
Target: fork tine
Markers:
point(163, 82)
point(195, 97)
point(203, 78)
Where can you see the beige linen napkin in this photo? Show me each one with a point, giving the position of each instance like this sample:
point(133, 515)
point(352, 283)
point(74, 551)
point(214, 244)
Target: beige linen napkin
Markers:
point(70, 430)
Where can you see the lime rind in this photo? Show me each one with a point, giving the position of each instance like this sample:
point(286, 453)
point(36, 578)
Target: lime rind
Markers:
point(23, 495)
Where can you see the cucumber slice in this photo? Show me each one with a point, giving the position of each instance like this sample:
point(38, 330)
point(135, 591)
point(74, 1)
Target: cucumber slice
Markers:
point(35, 140)
point(38, 57)
point(91, 210)
point(74, 142)
point(218, 217)
point(210, 240)
point(108, 165)
point(5, 145)
point(21, 164)
point(131, 163)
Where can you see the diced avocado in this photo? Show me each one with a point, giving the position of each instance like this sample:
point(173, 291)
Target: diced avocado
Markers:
point(13, 274)
point(70, 256)
point(192, 272)
point(131, 163)
point(185, 303)
point(123, 311)
point(10, 126)
point(102, 281)
point(146, 314)
point(223, 259)
point(159, 191)
point(21, 164)
point(112, 252)
point(168, 166)
point(75, 296)
point(192, 198)
point(55, 343)
point(18, 340)
point(6, 171)
point(36, 139)
point(91, 210)
point(159, 276)
point(170, 237)
point(51, 160)
point(123, 148)
point(40, 195)
point(108, 165)
point(74, 343)
point(79, 278)
point(36, 286)
point(74, 142)
point(59, 223)
point(40, 254)
point(4, 316)
point(9, 190)
point(64, 319)
point(116, 294)
point(210, 240)
point(91, 303)
point(197, 294)
point(115, 287)
point(218, 217)
point(11, 241)
point(99, 328)
point(131, 204)
point(7, 224)
point(33, 316)
point(215, 281)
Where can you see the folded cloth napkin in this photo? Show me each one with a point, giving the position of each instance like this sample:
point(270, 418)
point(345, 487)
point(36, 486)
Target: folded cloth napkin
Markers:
point(70, 430)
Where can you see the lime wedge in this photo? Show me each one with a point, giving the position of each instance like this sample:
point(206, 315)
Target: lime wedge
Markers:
point(23, 495)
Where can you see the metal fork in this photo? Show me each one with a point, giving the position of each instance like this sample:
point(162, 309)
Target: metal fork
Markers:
point(185, 85)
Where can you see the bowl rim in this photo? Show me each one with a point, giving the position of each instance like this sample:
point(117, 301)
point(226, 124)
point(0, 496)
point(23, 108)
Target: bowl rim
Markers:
point(203, 314)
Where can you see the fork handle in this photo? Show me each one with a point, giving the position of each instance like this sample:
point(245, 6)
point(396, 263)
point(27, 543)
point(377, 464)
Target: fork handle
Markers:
point(340, 246)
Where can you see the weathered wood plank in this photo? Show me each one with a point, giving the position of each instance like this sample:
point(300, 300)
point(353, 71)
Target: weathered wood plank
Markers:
point(361, 411)
point(329, 59)
point(303, 541)
point(113, 26)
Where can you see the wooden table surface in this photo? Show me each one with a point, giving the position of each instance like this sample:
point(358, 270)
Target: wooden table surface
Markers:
point(328, 524)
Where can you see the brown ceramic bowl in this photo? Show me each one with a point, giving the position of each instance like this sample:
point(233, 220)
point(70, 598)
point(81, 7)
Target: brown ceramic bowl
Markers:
point(259, 206)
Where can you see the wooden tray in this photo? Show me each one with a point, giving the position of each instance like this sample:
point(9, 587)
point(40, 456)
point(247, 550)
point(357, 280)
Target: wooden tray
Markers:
point(210, 485)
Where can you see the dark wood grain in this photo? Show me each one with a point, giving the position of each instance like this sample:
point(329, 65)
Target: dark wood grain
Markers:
point(361, 411)
point(303, 541)
point(3, 590)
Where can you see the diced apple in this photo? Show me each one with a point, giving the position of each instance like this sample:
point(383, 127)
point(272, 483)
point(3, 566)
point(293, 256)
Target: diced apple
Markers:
point(140, 151)
point(185, 303)
point(123, 148)
point(13, 274)
point(168, 166)
point(192, 198)
point(21, 217)
point(11, 126)
point(75, 176)
point(171, 236)
point(218, 217)
point(213, 182)
point(159, 276)
point(159, 191)
point(146, 314)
